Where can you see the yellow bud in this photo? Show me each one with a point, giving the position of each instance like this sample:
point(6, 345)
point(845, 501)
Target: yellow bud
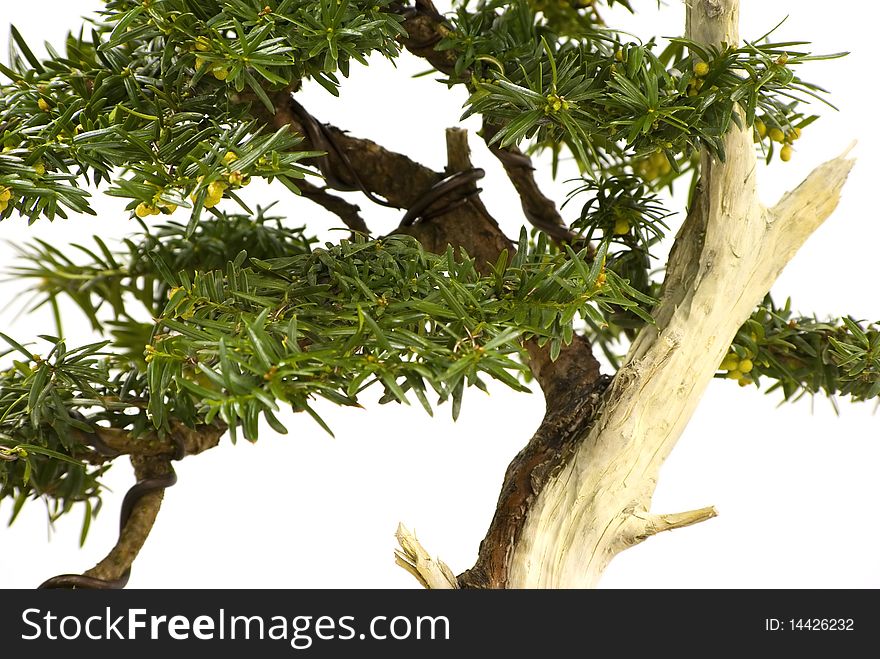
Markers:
point(236, 178)
point(43, 105)
point(203, 44)
point(229, 157)
point(729, 363)
point(215, 194)
point(785, 153)
point(795, 133)
point(220, 72)
point(143, 210)
point(5, 194)
point(621, 227)
point(761, 127)
point(746, 365)
point(735, 374)
point(776, 134)
point(40, 168)
point(744, 382)
point(701, 69)
point(619, 55)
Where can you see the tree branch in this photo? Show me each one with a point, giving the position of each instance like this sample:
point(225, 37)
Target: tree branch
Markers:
point(136, 530)
point(800, 212)
point(424, 29)
point(412, 557)
point(654, 524)
point(571, 384)
point(551, 447)
point(468, 225)
point(540, 210)
point(397, 178)
point(151, 458)
point(109, 443)
point(724, 260)
point(349, 213)
point(139, 510)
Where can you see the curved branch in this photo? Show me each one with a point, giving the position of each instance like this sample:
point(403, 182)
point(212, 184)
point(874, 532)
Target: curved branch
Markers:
point(109, 443)
point(159, 474)
point(349, 213)
point(139, 510)
point(724, 260)
point(540, 210)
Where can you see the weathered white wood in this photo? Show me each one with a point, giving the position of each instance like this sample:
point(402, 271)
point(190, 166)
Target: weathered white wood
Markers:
point(412, 557)
point(726, 256)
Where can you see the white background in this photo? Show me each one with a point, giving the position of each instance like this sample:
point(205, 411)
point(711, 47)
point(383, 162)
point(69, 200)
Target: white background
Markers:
point(796, 486)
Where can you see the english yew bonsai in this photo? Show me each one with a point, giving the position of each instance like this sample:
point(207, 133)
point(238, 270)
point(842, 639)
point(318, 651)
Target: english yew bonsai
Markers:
point(216, 315)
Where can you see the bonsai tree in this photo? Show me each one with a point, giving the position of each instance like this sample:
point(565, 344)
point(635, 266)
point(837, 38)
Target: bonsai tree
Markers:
point(217, 315)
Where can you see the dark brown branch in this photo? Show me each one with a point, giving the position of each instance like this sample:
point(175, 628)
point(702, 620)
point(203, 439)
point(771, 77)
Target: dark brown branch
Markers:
point(137, 516)
point(542, 458)
point(105, 444)
point(424, 29)
point(540, 210)
point(393, 176)
point(349, 213)
point(469, 225)
point(151, 458)
point(572, 384)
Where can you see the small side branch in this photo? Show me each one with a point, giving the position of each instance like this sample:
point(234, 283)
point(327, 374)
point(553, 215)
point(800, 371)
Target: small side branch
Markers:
point(800, 212)
point(350, 162)
point(349, 213)
point(654, 524)
point(412, 557)
point(151, 458)
point(540, 210)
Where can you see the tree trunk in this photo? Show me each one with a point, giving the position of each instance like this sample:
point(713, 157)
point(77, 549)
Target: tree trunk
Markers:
point(596, 501)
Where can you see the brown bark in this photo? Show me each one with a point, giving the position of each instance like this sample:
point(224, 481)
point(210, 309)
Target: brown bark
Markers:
point(106, 444)
point(136, 530)
point(571, 384)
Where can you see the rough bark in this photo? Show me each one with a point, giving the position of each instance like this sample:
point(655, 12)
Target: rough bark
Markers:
point(151, 458)
point(136, 530)
point(596, 501)
point(727, 254)
point(571, 384)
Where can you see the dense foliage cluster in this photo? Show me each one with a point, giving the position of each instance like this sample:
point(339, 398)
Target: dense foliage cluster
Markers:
point(231, 316)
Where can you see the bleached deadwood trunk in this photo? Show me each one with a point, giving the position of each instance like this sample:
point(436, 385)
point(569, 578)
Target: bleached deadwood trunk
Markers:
point(726, 256)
